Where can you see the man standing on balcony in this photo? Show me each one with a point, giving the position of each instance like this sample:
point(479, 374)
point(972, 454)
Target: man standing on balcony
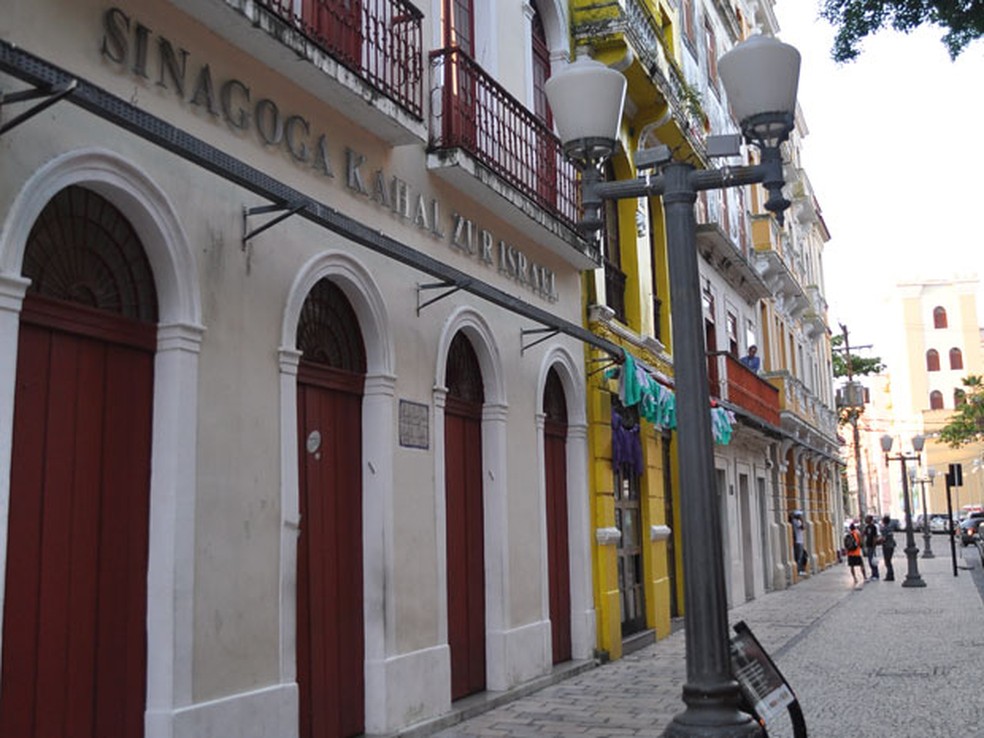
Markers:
point(751, 359)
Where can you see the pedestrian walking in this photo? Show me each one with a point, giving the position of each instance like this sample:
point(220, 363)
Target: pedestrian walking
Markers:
point(888, 528)
point(799, 552)
point(870, 538)
point(852, 544)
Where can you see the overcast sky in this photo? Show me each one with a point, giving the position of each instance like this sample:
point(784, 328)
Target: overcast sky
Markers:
point(895, 154)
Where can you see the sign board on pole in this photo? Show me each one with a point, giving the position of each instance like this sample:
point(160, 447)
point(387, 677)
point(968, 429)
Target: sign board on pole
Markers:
point(758, 676)
point(955, 475)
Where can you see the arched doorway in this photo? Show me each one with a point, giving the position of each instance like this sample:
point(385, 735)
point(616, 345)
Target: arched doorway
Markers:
point(330, 629)
point(74, 622)
point(465, 519)
point(558, 554)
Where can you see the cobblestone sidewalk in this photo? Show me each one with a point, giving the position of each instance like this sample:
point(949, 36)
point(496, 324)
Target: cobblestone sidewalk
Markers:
point(883, 659)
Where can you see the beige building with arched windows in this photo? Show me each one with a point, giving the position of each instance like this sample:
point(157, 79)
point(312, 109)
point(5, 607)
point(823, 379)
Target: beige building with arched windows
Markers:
point(942, 345)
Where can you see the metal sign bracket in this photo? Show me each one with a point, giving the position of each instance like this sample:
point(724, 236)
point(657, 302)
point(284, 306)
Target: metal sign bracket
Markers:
point(247, 212)
point(523, 333)
point(449, 287)
point(52, 94)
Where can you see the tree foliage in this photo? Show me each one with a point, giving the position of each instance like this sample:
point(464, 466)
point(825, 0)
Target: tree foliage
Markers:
point(860, 366)
point(962, 21)
point(967, 423)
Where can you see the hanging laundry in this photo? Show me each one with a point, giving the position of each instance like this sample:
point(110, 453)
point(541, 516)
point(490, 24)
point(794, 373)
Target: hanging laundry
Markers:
point(722, 425)
point(657, 403)
point(626, 444)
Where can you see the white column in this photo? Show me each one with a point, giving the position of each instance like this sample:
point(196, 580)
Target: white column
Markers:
point(171, 560)
point(12, 290)
point(496, 507)
point(378, 421)
point(583, 626)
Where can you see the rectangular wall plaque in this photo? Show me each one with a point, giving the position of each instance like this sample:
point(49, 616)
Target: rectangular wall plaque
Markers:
point(414, 431)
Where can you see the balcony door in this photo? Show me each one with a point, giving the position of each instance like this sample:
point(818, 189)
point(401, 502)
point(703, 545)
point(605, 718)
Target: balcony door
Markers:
point(461, 81)
point(546, 151)
point(338, 25)
point(710, 340)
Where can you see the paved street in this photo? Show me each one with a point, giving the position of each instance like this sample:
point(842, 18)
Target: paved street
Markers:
point(884, 659)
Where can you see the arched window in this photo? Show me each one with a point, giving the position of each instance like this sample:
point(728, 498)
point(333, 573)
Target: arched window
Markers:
point(932, 360)
point(83, 250)
point(463, 373)
point(328, 330)
point(935, 400)
point(939, 317)
point(959, 397)
point(956, 358)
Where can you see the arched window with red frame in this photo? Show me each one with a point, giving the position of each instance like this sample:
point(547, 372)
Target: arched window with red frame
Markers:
point(932, 360)
point(956, 358)
point(939, 317)
point(936, 400)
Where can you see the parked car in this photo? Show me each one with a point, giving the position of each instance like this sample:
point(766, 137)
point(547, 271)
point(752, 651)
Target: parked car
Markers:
point(968, 530)
point(940, 523)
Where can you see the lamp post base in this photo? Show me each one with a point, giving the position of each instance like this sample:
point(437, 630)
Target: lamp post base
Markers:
point(912, 577)
point(712, 714)
point(927, 548)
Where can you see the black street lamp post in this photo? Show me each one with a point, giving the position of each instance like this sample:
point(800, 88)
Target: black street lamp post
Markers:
point(927, 533)
point(912, 577)
point(760, 78)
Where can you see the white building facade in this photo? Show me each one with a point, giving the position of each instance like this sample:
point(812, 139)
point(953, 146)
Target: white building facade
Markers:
point(762, 286)
point(291, 374)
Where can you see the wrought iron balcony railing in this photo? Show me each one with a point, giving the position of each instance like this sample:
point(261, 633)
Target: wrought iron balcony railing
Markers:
point(643, 27)
point(473, 112)
point(379, 40)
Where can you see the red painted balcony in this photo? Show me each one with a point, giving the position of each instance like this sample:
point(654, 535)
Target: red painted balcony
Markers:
point(737, 384)
point(379, 40)
point(474, 113)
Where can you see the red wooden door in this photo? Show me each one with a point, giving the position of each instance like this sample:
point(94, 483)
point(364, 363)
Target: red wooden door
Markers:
point(330, 634)
point(74, 620)
point(558, 555)
point(465, 546)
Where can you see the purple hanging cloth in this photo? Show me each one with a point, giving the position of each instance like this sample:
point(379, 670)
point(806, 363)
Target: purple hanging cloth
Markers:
point(626, 445)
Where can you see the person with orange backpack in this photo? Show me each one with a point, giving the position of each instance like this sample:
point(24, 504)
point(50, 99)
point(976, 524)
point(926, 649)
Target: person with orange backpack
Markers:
point(852, 545)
